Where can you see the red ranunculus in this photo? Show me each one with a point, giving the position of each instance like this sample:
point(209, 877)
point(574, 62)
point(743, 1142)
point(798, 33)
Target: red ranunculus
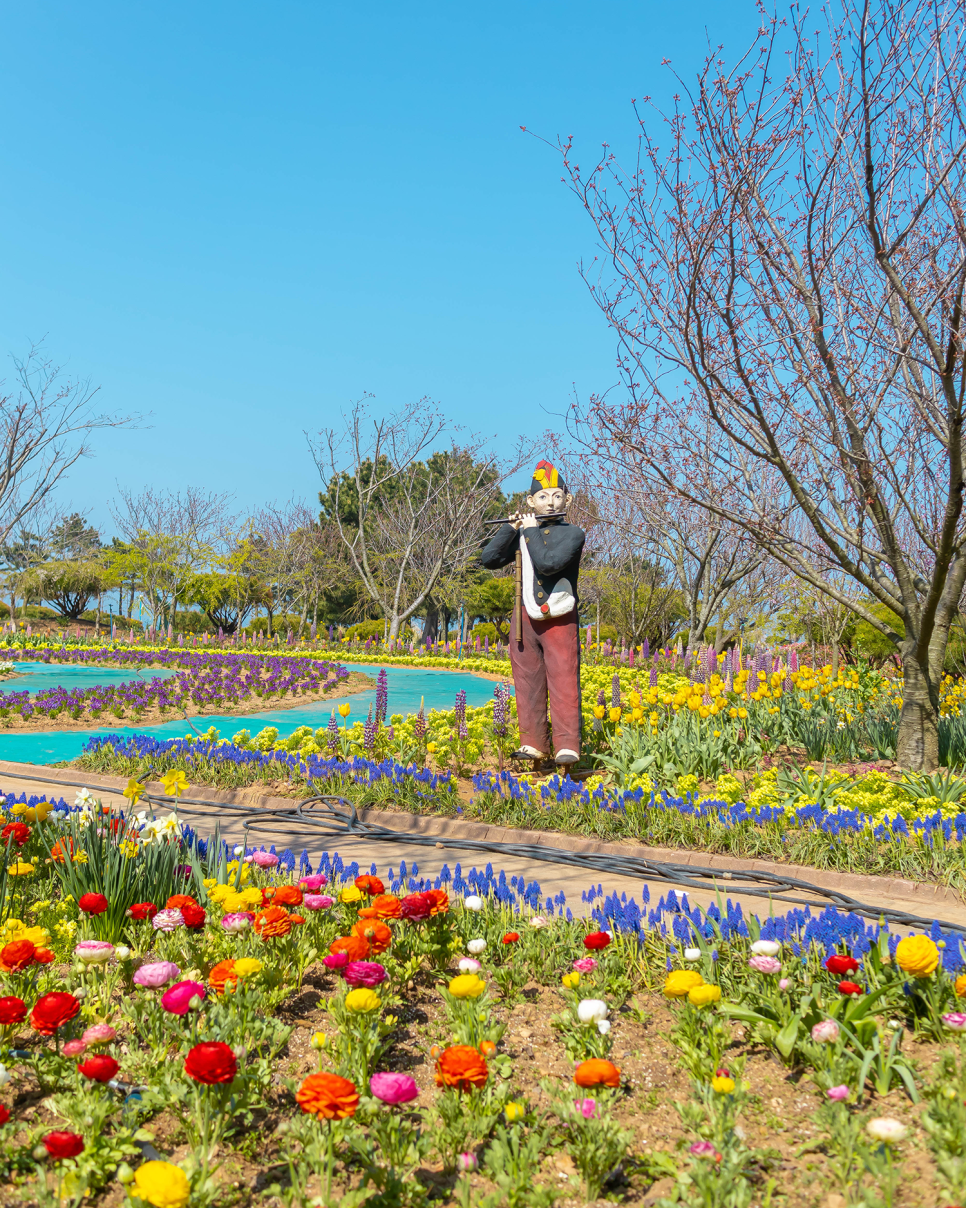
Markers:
point(849, 987)
point(4, 1115)
point(92, 903)
point(63, 1144)
point(99, 1068)
point(416, 906)
point(840, 965)
point(193, 915)
point(43, 956)
point(17, 955)
point(52, 1011)
point(18, 831)
point(596, 940)
point(142, 911)
point(211, 1062)
point(12, 1010)
point(511, 937)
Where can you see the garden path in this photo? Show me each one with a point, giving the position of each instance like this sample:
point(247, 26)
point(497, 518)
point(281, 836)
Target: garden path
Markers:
point(892, 893)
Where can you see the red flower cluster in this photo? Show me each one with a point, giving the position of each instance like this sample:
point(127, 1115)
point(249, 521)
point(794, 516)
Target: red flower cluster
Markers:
point(52, 1011)
point(99, 1068)
point(12, 1010)
point(21, 954)
point(4, 1115)
point(511, 937)
point(369, 885)
point(596, 940)
point(142, 911)
point(416, 907)
point(92, 903)
point(211, 1062)
point(849, 987)
point(18, 831)
point(840, 964)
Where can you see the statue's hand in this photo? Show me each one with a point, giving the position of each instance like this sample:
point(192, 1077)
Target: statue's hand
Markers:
point(516, 520)
point(529, 521)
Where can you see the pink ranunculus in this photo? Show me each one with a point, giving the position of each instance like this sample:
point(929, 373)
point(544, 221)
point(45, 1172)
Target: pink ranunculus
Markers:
point(364, 973)
point(317, 901)
point(784, 983)
point(177, 999)
point(838, 1093)
point(336, 961)
point(703, 1149)
point(586, 964)
point(94, 952)
point(99, 1033)
point(764, 964)
point(826, 1031)
point(238, 920)
point(393, 1088)
point(955, 1021)
point(586, 1107)
point(167, 920)
point(314, 883)
point(156, 974)
point(263, 859)
point(74, 1048)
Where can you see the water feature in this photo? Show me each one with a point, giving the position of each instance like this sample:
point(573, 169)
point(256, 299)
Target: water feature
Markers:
point(407, 685)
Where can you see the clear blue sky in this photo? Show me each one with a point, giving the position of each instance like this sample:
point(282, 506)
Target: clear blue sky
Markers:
point(240, 217)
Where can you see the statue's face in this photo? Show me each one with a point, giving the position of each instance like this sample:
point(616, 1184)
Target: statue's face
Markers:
point(546, 501)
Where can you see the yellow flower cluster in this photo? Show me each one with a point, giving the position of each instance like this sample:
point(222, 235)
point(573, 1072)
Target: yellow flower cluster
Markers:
point(231, 900)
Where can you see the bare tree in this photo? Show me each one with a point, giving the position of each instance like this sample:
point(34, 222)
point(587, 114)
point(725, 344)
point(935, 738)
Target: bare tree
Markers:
point(405, 515)
point(46, 421)
point(790, 270)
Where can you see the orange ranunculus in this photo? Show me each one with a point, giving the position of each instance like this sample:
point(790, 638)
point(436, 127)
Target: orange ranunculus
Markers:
point(356, 946)
point(221, 974)
point(385, 906)
point(462, 1067)
point(17, 955)
point(283, 895)
point(177, 900)
point(440, 899)
point(597, 1072)
point(375, 932)
point(328, 1096)
point(272, 923)
point(61, 850)
point(369, 885)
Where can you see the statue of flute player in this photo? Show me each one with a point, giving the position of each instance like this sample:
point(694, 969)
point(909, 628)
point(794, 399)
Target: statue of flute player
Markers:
point(545, 636)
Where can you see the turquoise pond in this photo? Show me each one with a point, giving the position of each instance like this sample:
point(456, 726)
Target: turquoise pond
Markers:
point(407, 685)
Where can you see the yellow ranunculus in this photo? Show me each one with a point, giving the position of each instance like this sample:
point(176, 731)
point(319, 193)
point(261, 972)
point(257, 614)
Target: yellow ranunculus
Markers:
point(702, 996)
point(235, 902)
point(467, 985)
point(722, 1085)
point(514, 1111)
point(14, 929)
point(362, 1001)
point(960, 986)
point(680, 982)
point(571, 980)
point(247, 965)
point(162, 1184)
point(918, 955)
point(20, 868)
point(350, 893)
point(218, 893)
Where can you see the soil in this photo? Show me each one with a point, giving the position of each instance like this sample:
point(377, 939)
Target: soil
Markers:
point(778, 1118)
point(357, 682)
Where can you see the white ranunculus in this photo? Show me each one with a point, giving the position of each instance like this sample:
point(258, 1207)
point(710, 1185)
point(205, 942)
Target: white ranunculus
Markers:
point(589, 1010)
point(766, 948)
point(603, 1026)
point(469, 965)
point(475, 947)
point(885, 1129)
point(473, 902)
point(692, 954)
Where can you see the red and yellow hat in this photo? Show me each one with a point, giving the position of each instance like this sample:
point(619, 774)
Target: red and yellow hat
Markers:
point(546, 477)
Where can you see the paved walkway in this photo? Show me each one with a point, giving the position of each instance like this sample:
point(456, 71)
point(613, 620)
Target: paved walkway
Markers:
point(447, 837)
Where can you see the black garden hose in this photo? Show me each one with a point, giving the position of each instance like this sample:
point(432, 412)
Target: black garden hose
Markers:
point(339, 819)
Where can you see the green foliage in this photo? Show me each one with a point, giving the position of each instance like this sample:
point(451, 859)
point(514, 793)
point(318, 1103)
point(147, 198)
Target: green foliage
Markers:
point(869, 643)
point(365, 630)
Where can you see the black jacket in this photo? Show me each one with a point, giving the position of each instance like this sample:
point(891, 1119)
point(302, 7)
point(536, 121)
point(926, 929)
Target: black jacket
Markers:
point(554, 550)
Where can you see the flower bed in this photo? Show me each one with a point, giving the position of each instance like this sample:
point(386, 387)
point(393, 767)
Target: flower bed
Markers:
point(187, 1025)
point(205, 682)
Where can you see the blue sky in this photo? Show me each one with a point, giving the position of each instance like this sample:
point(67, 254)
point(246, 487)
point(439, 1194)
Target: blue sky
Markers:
point(241, 217)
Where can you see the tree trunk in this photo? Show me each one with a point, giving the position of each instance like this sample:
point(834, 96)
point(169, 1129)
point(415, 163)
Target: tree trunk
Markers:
point(918, 742)
point(431, 625)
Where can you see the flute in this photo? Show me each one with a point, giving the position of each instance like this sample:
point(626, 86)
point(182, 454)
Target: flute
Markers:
point(510, 519)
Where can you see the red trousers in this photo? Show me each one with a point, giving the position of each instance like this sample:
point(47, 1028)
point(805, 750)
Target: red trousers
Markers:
point(546, 664)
